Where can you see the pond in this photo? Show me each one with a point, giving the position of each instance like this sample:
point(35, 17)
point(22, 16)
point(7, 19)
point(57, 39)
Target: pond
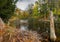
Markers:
point(24, 24)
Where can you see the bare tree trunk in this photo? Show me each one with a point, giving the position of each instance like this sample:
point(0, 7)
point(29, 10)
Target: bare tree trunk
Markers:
point(52, 30)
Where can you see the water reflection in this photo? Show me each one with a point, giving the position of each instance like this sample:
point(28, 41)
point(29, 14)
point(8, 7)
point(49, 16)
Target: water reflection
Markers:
point(24, 24)
point(22, 27)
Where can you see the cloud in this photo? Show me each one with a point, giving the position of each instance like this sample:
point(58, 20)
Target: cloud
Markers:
point(22, 4)
point(27, 0)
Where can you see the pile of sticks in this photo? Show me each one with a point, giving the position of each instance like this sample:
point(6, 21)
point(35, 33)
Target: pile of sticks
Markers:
point(11, 35)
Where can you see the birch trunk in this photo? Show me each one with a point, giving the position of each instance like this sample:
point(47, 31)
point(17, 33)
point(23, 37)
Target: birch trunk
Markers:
point(52, 30)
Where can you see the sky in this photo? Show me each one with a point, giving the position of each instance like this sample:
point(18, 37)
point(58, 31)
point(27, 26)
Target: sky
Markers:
point(23, 4)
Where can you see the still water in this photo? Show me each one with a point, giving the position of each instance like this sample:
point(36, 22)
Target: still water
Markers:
point(23, 24)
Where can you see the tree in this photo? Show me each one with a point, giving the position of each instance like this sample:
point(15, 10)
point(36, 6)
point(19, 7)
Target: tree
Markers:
point(30, 9)
point(49, 5)
point(35, 13)
point(7, 8)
